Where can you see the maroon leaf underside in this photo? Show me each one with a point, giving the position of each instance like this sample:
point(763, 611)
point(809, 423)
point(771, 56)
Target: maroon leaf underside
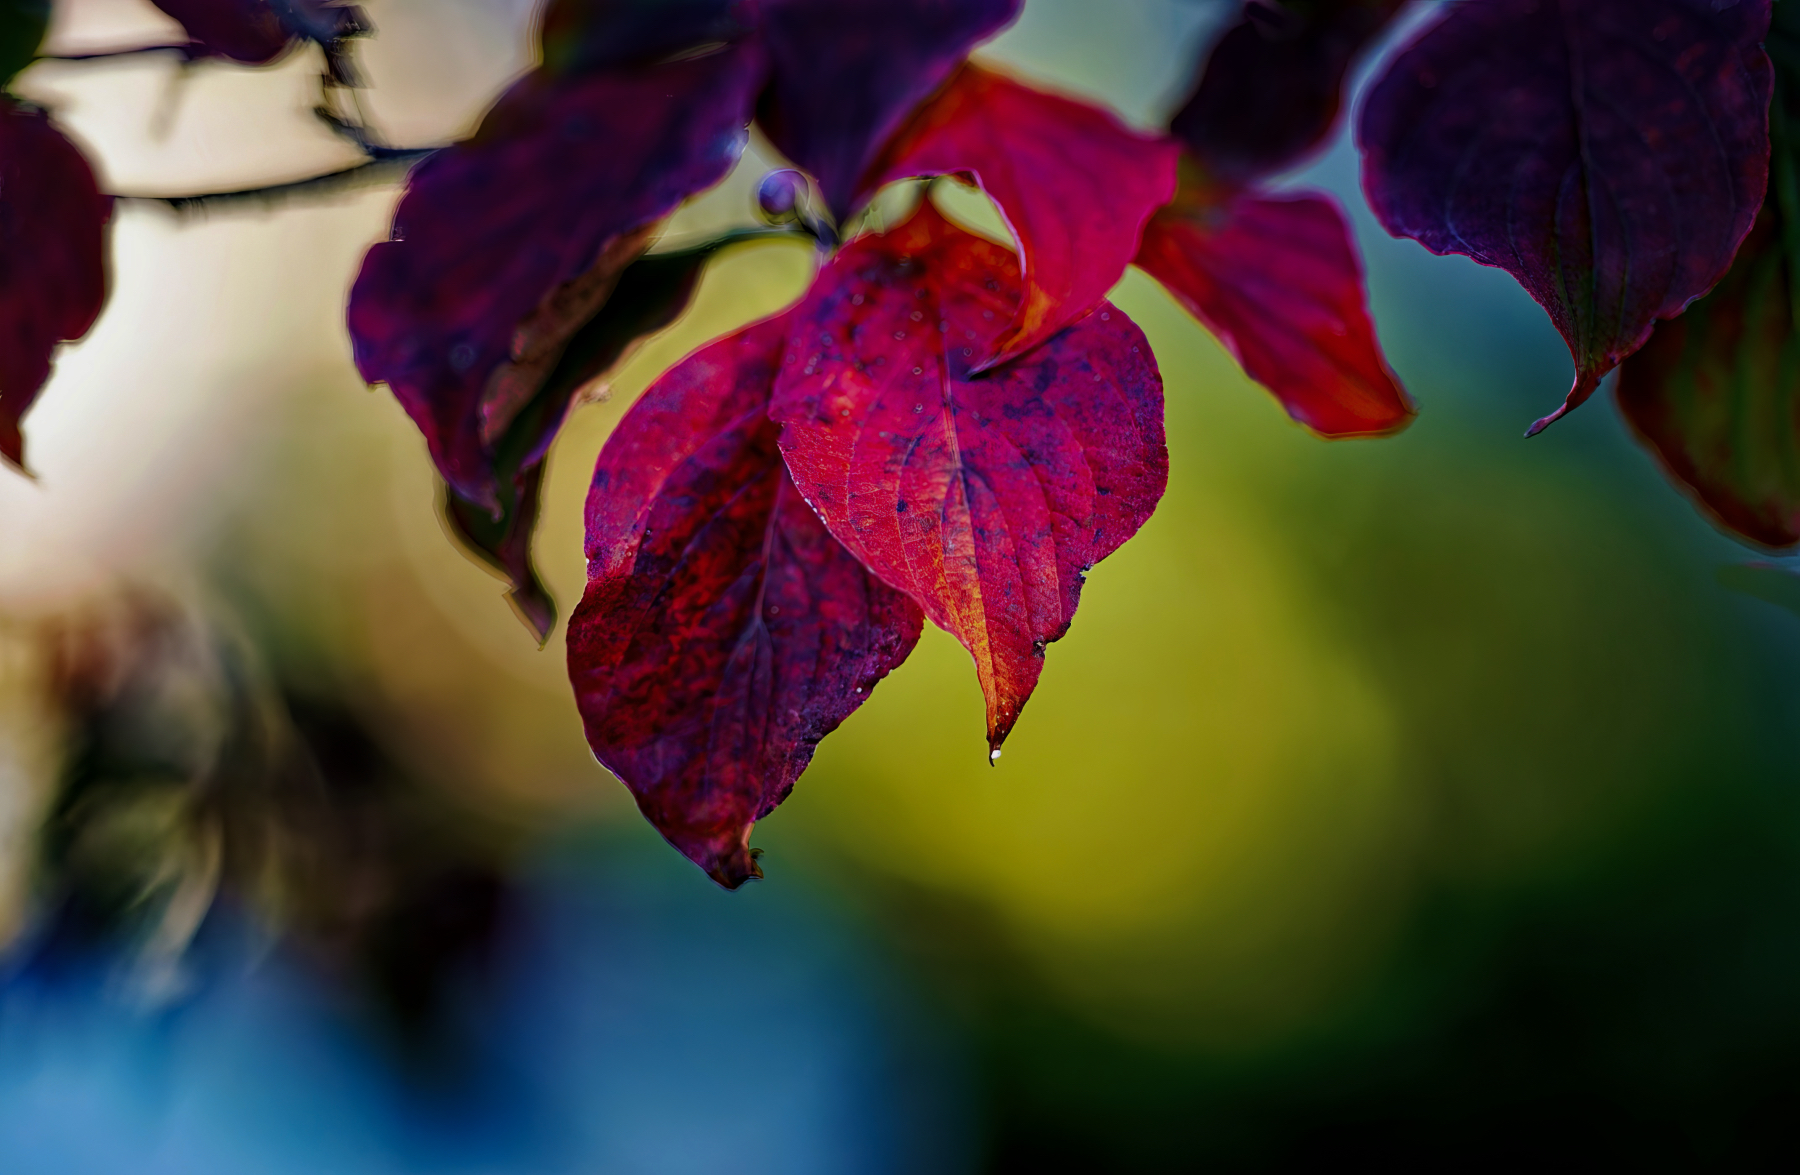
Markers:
point(493, 227)
point(1273, 84)
point(1074, 184)
point(1714, 394)
point(724, 631)
point(985, 498)
point(1609, 154)
point(848, 73)
point(1278, 280)
point(256, 32)
point(52, 258)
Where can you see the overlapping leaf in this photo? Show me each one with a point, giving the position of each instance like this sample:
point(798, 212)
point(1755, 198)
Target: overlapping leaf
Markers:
point(256, 32)
point(1610, 154)
point(52, 258)
point(724, 631)
point(985, 498)
point(1277, 279)
point(521, 226)
point(847, 73)
point(1273, 84)
point(578, 36)
point(1074, 184)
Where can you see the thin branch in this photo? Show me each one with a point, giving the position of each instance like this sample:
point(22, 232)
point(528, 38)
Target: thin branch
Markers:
point(387, 163)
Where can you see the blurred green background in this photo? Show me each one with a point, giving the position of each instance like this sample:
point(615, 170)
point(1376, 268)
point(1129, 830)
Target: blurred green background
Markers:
point(1424, 802)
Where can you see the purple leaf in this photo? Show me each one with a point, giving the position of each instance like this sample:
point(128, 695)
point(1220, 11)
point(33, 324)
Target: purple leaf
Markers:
point(501, 241)
point(724, 631)
point(256, 32)
point(1273, 85)
point(1610, 154)
point(849, 72)
point(52, 258)
point(579, 36)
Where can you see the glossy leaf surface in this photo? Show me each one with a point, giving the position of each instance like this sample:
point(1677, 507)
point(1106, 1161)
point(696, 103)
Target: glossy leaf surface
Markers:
point(724, 631)
point(52, 258)
point(493, 229)
point(1074, 184)
point(849, 72)
point(1278, 280)
point(648, 295)
point(583, 35)
point(1716, 395)
point(1273, 85)
point(1610, 154)
point(985, 498)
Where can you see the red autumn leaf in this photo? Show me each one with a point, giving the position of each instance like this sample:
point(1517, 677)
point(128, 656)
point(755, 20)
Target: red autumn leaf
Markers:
point(984, 497)
point(52, 258)
point(1277, 279)
point(1273, 85)
point(849, 72)
point(493, 230)
point(724, 631)
point(1074, 184)
point(1609, 154)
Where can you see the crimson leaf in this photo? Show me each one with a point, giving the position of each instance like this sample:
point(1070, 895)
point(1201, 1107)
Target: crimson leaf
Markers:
point(985, 498)
point(1273, 85)
point(52, 258)
point(1278, 280)
point(1610, 154)
point(502, 242)
point(848, 72)
point(1074, 184)
point(724, 632)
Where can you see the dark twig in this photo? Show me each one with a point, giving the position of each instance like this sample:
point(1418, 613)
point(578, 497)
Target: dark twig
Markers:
point(386, 163)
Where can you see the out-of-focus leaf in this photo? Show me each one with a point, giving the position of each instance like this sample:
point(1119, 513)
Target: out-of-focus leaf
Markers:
point(1769, 582)
point(1277, 279)
point(256, 32)
point(583, 35)
point(724, 631)
point(985, 498)
point(1273, 84)
point(849, 72)
point(491, 228)
point(649, 295)
point(1074, 184)
point(1610, 154)
point(1715, 394)
point(52, 258)
point(22, 25)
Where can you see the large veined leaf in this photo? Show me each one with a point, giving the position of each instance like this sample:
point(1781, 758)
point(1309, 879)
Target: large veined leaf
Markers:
point(1610, 154)
point(1074, 184)
point(724, 631)
point(985, 497)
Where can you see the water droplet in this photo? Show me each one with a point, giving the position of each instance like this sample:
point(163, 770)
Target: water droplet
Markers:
point(859, 689)
point(846, 412)
point(774, 610)
point(918, 315)
point(918, 371)
point(1106, 316)
point(993, 755)
point(918, 407)
point(857, 301)
point(899, 334)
